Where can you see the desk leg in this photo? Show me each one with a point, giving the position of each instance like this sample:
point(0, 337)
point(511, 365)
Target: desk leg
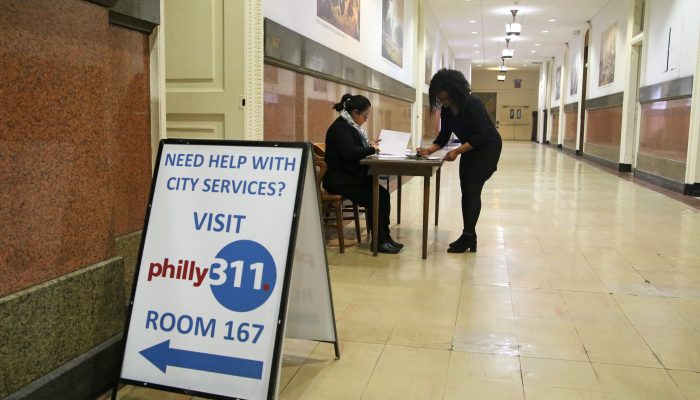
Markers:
point(398, 198)
point(426, 202)
point(375, 213)
point(437, 195)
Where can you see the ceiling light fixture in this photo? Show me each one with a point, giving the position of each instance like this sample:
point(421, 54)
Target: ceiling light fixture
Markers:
point(503, 67)
point(513, 28)
point(501, 78)
point(507, 52)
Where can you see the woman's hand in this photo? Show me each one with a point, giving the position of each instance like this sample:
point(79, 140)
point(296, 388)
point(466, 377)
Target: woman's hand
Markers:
point(423, 151)
point(451, 155)
point(375, 146)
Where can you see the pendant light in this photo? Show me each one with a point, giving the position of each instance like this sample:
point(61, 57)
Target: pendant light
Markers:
point(513, 28)
point(507, 52)
point(502, 67)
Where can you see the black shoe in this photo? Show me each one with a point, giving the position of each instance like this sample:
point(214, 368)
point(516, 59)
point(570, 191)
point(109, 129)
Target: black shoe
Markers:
point(459, 240)
point(395, 243)
point(465, 242)
point(387, 248)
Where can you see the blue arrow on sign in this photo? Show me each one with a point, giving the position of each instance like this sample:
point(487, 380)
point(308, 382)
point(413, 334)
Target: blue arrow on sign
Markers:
point(162, 356)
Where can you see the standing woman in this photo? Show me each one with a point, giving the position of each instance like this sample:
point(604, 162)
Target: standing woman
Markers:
point(466, 116)
point(346, 145)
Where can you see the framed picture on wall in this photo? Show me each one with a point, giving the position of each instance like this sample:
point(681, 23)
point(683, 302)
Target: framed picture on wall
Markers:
point(606, 67)
point(392, 31)
point(557, 83)
point(428, 67)
point(342, 14)
point(573, 78)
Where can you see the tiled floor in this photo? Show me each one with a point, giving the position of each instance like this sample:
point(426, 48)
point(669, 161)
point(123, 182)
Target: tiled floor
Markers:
point(585, 286)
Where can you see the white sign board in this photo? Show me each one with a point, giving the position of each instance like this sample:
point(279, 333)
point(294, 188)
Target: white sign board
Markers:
point(208, 310)
point(311, 314)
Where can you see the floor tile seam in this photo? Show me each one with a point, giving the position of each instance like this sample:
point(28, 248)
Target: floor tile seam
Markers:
point(595, 270)
point(637, 330)
point(661, 367)
point(666, 370)
point(456, 317)
point(374, 368)
point(573, 324)
point(306, 359)
point(690, 324)
point(677, 385)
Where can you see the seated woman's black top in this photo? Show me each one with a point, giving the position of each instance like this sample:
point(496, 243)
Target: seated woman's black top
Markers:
point(472, 125)
point(344, 150)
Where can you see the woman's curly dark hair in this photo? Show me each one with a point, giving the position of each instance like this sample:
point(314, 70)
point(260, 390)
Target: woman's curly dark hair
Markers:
point(454, 83)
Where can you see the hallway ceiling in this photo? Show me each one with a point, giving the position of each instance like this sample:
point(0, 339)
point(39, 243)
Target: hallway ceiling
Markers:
point(475, 29)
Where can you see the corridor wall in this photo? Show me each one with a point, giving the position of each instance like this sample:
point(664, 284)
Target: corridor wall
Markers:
point(668, 65)
point(75, 155)
point(608, 44)
point(312, 59)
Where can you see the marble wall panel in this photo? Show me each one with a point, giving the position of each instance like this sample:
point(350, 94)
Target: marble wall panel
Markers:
point(298, 107)
point(603, 132)
point(554, 139)
point(75, 145)
point(663, 129)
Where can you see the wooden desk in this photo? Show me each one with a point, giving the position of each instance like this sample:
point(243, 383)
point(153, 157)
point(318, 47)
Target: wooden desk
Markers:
point(396, 166)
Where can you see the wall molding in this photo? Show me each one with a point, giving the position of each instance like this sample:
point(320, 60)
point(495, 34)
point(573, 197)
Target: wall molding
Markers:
point(84, 377)
point(660, 181)
point(139, 15)
point(571, 107)
point(105, 3)
point(611, 100)
point(668, 90)
point(602, 161)
point(288, 49)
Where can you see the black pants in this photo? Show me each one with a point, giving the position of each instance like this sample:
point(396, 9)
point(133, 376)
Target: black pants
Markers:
point(471, 199)
point(362, 194)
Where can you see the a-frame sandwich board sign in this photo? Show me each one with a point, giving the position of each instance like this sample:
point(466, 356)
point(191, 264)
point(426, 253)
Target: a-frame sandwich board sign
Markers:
point(214, 277)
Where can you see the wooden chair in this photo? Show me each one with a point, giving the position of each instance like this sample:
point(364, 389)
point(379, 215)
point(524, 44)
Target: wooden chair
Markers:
point(334, 202)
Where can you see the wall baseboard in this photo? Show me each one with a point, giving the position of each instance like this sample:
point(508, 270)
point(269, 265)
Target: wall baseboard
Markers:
point(601, 161)
point(624, 167)
point(660, 181)
point(568, 150)
point(83, 378)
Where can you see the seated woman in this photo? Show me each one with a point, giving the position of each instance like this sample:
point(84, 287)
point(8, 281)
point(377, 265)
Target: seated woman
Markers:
point(346, 145)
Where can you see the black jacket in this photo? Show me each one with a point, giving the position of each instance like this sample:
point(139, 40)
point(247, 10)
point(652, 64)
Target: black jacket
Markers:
point(344, 150)
point(472, 125)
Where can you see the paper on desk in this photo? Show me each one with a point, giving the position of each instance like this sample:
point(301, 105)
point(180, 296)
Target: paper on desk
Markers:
point(438, 155)
point(393, 142)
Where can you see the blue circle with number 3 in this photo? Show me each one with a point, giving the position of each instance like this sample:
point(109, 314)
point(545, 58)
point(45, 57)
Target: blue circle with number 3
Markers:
point(243, 275)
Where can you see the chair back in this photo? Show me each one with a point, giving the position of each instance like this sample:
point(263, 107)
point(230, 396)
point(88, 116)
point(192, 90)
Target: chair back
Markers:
point(320, 149)
point(321, 169)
